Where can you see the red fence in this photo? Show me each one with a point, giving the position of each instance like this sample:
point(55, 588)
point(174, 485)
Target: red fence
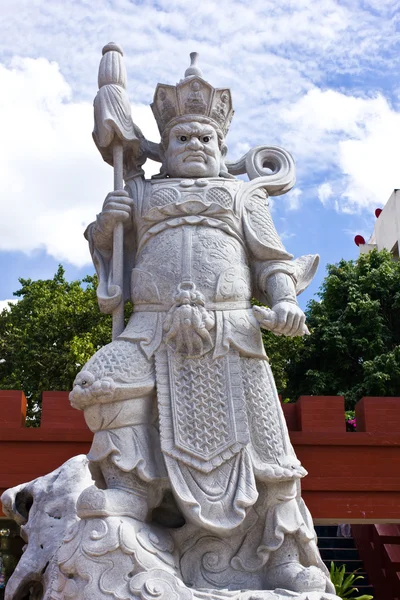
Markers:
point(353, 477)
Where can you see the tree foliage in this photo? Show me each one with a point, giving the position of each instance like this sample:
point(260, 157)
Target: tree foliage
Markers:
point(48, 334)
point(282, 352)
point(354, 347)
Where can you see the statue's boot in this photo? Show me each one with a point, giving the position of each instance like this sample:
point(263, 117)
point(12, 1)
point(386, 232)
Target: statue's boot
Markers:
point(296, 578)
point(94, 502)
point(284, 570)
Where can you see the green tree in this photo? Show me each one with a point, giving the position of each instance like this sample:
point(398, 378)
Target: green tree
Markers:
point(282, 352)
point(354, 347)
point(48, 335)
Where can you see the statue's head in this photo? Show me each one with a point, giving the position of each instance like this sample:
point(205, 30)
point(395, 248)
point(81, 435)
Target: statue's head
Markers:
point(193, 148)
point(193, 119)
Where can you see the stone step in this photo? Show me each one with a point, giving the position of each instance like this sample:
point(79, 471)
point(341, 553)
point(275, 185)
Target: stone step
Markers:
point(343, 555)
point(335, 542)
point(326, 530)
point(342, 551)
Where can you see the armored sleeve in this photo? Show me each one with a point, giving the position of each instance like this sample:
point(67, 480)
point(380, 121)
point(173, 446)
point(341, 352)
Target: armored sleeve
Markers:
point(269, 254)
point(100, 247)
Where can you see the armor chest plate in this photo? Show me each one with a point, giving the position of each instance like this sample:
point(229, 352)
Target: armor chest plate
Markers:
point(188, 196)
point(207, 256)
point(189, 232)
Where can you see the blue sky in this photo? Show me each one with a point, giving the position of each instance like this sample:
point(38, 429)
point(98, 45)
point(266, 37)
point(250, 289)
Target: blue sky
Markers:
point(319, 77)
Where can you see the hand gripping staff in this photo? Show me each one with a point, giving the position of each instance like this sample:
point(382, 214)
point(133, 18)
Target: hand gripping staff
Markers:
point(113, 126)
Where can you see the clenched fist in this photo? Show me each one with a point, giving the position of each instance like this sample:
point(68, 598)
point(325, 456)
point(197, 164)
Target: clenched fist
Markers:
point(117, 208)
point(285, 318)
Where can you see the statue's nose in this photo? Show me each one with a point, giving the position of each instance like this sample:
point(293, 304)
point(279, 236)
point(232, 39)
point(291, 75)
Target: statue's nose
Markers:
point(194, 143)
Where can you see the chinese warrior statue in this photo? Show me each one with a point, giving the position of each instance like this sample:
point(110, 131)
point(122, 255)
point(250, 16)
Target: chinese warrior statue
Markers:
point(195, 489)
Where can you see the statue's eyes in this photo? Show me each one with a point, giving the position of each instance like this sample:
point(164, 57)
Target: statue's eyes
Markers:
point(206, 139)
point(183, 138)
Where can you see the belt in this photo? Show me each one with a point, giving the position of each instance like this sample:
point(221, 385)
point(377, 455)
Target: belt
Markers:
point(242, 305)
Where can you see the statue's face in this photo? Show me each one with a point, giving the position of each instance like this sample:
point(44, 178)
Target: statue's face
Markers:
point(193, 151)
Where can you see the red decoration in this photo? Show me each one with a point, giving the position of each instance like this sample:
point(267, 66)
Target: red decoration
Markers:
point(358, 240)
point(378, 212)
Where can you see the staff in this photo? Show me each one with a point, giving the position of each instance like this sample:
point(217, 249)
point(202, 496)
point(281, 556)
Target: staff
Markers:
point(113, 126)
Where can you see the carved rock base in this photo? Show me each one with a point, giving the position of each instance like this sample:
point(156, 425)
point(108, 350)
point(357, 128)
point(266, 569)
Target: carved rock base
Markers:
point(126, 559)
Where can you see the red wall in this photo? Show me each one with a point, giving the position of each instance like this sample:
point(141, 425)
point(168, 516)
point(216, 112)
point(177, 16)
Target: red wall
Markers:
point(353, 477)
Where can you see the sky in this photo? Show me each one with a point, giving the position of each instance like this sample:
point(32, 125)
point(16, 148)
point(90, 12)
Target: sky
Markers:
point(321, 78)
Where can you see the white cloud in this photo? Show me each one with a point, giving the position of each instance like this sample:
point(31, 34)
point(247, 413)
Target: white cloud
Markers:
point(325, 192)
point(354, 137)
point(52, 178)
point(292, 199)
point(372, 162)
point(286, 235)
point(320, 35)
point(4, 304)
point(330, 111)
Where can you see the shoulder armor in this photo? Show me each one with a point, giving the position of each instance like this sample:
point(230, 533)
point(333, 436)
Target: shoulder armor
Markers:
point(260, 220)
point(259, 228)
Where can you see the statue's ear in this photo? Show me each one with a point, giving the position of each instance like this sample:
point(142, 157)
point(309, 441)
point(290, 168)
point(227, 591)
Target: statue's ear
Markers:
point(224, 169)
point(161, 152)
point(161, 157)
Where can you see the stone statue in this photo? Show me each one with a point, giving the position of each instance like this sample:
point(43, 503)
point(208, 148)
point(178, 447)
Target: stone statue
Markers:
point(44, 508)
point(196, 490)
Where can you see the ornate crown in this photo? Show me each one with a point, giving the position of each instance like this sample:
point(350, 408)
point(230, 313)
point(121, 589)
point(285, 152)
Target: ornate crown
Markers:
point(192, 96)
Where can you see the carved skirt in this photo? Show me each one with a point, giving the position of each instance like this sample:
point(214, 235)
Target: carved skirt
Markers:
point(214, 426)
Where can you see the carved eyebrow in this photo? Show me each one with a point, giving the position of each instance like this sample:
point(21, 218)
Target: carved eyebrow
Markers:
point(188, 130)
point(205, 132)
point(182, 130)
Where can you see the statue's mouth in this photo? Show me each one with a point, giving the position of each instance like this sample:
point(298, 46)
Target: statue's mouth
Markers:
point(196, 157)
